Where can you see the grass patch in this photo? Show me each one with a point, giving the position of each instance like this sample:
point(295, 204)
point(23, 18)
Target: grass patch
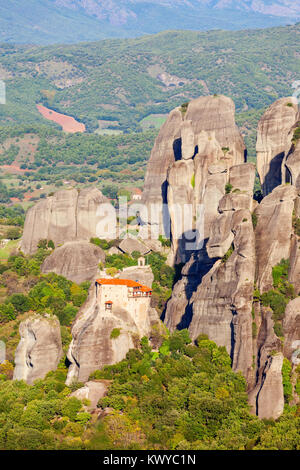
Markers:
point(8, 249)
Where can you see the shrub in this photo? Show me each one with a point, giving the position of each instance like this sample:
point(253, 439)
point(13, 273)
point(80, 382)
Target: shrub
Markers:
point(20, 302)
point(51, 244)
point(296, 135)
point(179, 340)
point(276, 301)
point(184, 107)
point(228, 254)
point(296, 225)
point(115, 333)
point(228, 188)
point(254, 220)
point(7, 313)
point(67, 315)
point(286, 380)
point(193, 181)
point(278, 330)
point(112, 271)
point(102, 243)
point(71, 408)
point(280, 272)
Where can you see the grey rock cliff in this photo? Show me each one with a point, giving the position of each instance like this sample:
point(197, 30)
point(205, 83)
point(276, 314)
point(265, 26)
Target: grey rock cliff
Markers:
point(196, 148)
point(222, 303)
point(68, 215)
point(39, 350)
point(274, 140)
point(141, 274)
point(270, 399)
point(291, 328)
point(273, 232)
point(77, 261)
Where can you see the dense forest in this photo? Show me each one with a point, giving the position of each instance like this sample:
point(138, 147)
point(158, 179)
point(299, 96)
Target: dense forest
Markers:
point(47, 157)
point(181, 397)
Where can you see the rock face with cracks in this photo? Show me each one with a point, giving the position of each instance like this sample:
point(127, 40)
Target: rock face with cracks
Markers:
point(77, 261)
point(273, 233)
point(196, 147)
point(68, 215)
point(274, 138)
point(39, 350)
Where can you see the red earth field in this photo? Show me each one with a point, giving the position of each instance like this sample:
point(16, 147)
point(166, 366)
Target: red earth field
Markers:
point(68, 123)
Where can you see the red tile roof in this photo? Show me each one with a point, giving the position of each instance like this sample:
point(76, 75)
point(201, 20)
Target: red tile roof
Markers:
point(123, 282)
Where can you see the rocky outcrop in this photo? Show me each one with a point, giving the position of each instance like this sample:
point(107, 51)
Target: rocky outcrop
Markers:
point(273, 232)
point(291, 164)
point(39, 350)
point(162, 155)
point(222, 303)
point(92, 391)
point(266, 344)
point(291, 329)
point(129, 245)
point(179, 308)
point(274, 140)
point(77, 261)
point(270, 398)
point(68, 215)
point(141, 274)
point(214, 295)
point(217, 114)
point(294, 269)
point(195, 149)
point(93, 344)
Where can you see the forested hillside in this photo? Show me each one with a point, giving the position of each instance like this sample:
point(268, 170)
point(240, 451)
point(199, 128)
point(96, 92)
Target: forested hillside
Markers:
point(118, 83)
point(183, 397)
point(43, 159)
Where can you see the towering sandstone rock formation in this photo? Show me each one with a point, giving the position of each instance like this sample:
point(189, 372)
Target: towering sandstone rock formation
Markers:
point(273, 232)
point(189, 165)
point(274, 138)
point(39, 350)
point(68, 215)
point(242, 241)
point(190, 160)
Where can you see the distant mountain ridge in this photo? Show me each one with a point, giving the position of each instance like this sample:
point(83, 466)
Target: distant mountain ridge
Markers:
point(121, 10)
point(70, 21)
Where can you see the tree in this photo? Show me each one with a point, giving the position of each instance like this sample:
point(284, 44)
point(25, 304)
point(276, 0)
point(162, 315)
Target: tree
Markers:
point(20, 302)
point(7, 313)
point(13, 233)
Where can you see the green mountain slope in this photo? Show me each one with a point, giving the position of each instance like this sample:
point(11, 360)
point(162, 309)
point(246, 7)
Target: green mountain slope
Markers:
point(125, 81)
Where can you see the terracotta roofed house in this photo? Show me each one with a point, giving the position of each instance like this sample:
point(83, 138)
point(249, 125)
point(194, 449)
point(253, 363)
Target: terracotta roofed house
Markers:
point(123, 293)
